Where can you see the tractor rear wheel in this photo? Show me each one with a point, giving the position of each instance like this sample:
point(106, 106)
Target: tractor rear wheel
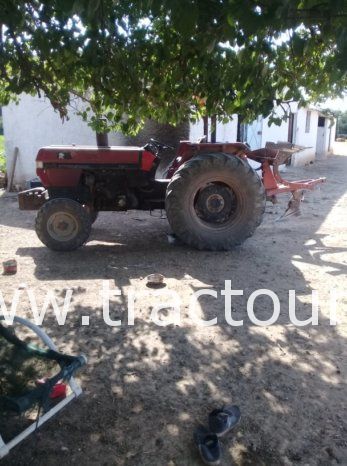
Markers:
point(63, 224)
point(215, 201)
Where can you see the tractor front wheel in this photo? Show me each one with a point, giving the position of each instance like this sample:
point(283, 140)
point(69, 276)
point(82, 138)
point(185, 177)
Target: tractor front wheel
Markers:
point(63, 224)
point(215, 201)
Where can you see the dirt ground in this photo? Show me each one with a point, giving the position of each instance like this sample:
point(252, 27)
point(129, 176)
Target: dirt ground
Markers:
point(146, 387)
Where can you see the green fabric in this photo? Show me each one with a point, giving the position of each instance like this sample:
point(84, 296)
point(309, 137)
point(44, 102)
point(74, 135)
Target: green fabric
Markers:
point(22, 364)
point(20, 368)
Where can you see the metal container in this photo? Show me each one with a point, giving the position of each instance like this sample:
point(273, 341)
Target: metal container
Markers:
point(10, 267)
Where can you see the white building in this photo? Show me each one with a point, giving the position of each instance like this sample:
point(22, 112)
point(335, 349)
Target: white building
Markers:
point(306, 127)
point(32, 123)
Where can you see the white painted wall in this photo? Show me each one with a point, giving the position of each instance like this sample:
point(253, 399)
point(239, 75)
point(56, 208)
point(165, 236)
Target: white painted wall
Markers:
point(303, 138)
point(274, 133)
point(330, 135)
point(332, 138)
point(225, 132)
point(308, 139)
point(254, 133)
point(326, 135)
point(196, 131)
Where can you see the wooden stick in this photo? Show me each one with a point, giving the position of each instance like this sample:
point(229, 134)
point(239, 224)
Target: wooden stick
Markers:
point(14, 163)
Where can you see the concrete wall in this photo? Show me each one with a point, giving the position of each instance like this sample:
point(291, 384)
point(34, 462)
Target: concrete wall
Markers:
point(196, 130)
point(225, 132)
point(269, 133)
point(326, 136)
point(332, 138)
point(254, 133)
point(274, 133)
point(331, 134)
point(303, 138)
point(306, 139)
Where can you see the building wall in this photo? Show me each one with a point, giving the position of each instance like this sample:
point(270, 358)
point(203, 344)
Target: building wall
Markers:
point(268, 133)
point(254, 133)
point(274, 133)
point(196, 130)
point(331, 134)
point(332, 137)
point(301, 137)
point(326, 137)
point(305, 138)
point(225, 132)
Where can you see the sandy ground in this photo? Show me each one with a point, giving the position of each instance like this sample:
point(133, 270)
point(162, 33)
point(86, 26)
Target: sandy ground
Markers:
point(146, 387)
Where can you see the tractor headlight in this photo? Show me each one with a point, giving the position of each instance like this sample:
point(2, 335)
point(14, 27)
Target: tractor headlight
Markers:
point(39, 164)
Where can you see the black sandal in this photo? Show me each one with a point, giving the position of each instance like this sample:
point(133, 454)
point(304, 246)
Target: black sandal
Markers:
point(220, 421)
point(208, 445)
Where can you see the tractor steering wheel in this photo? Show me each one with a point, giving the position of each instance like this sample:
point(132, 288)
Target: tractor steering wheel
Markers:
point(156, 146)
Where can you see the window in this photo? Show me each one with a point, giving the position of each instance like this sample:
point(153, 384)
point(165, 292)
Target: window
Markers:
point(308, 122)
point(321, 121)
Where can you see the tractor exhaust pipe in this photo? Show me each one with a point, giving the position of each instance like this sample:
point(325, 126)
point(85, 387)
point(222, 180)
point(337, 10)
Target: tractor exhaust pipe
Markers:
point(102, 139)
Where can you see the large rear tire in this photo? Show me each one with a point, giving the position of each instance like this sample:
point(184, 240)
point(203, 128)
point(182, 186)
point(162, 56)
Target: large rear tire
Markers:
point(63, 224)
point(215, 201)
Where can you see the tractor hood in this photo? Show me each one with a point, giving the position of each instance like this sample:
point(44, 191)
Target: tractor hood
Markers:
point(63, 165)
point(117, 154)
point(63, 156)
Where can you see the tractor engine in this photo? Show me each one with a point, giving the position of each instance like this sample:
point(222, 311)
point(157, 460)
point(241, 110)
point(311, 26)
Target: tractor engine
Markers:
point(116, 190)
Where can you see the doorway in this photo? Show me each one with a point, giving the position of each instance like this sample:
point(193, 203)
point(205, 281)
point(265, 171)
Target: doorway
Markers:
point(321, 138)
point(292, 128)
point(254, 133)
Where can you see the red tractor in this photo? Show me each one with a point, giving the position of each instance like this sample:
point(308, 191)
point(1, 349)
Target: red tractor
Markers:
point(213, 198)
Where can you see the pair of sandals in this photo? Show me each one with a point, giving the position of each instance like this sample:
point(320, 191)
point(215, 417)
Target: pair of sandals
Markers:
point(220, 421)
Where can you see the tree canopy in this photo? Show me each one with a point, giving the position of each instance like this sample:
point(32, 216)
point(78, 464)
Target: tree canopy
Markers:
point(341, 126)
point(172, 60)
